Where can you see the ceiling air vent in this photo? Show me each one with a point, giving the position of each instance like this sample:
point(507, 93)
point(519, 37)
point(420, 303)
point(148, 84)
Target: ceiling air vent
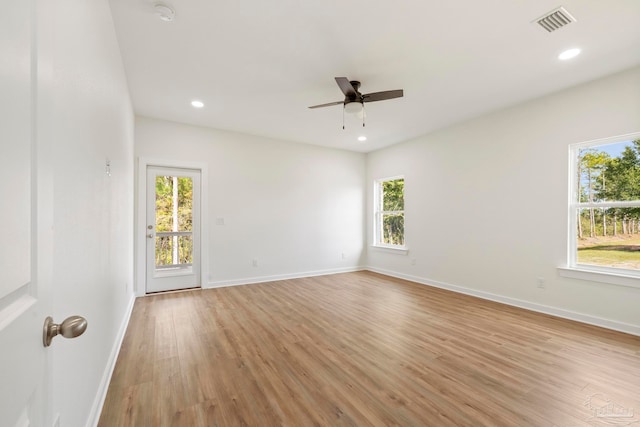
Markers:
point(555, 19)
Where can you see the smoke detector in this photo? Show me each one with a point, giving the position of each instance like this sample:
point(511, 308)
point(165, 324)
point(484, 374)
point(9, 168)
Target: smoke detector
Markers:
point(164, 12)
point(555, 19)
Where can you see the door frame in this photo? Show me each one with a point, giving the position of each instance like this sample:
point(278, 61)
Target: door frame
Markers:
point(140, 240)
point(159, 280)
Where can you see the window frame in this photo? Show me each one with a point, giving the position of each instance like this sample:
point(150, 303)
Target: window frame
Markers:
point(574, 269)
point(378, 214)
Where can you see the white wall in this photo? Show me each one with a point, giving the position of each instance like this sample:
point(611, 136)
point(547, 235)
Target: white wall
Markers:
point(294, 208)
point(486, 201)
point(91, 119)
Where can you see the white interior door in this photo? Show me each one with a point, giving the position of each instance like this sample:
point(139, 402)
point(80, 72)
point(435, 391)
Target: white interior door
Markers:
point(23, 301)
point(173, 229)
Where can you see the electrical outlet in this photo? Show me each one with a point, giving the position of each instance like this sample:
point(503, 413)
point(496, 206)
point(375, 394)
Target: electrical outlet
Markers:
point(343, 255)
point(413, 261)
point(254, 262)
point(541, 283)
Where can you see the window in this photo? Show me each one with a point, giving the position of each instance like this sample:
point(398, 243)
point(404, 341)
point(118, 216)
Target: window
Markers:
point(605, 205)
point(389, 212)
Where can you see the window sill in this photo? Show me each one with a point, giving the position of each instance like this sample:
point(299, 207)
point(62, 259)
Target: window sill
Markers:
point(612, 278)
point(399, 250)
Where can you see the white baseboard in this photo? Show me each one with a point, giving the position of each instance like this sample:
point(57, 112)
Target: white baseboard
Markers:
point(96, 409)
point(554, 311)
point(263, 279)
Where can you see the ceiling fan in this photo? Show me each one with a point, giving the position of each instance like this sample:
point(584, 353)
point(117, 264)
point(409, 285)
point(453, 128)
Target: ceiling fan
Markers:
point(354, 100)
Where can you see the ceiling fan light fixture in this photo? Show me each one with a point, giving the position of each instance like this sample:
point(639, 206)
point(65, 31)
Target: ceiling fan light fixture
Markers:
point(353, 107)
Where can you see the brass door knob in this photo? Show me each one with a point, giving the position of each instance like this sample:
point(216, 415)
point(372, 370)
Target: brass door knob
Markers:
point(71, 327)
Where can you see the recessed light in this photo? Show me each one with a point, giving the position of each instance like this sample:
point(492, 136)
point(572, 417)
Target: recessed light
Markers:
point(362, 138)
point(197, 104)
point(568, 54)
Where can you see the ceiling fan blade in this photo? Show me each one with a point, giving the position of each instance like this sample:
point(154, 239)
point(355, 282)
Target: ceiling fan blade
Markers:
point(327, 105)
point(381, 96)
point(345, 87)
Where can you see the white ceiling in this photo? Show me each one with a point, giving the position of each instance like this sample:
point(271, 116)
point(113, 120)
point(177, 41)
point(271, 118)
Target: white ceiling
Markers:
point(257, 65)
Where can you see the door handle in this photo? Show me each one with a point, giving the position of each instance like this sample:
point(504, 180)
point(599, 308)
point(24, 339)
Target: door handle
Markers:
point(71, 327)
point(150, 236)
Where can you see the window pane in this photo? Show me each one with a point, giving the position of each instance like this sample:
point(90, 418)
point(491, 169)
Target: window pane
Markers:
point(164, 203)
point(185, 204)
point(393, 195)
point(609, 172)
point(174, 201)
point(609, 237)
point(174, 250)
point(393, 229)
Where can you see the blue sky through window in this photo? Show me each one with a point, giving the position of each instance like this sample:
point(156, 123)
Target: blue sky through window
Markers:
point(614, 150)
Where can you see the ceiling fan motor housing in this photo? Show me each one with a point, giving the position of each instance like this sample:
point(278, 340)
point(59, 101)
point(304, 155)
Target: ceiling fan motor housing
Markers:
point(354, 102)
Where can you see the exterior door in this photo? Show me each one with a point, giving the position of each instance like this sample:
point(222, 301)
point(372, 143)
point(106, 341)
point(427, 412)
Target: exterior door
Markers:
point(24, 303)
point(173, 229)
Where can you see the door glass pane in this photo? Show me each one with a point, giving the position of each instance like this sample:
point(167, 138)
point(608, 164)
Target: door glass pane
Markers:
point(174, 221)
point(166, 247)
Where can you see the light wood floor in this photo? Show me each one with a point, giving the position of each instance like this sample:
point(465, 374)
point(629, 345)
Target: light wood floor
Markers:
point(361, 349)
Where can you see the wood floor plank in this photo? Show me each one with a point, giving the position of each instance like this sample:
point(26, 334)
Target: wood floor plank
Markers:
point(362, 349)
